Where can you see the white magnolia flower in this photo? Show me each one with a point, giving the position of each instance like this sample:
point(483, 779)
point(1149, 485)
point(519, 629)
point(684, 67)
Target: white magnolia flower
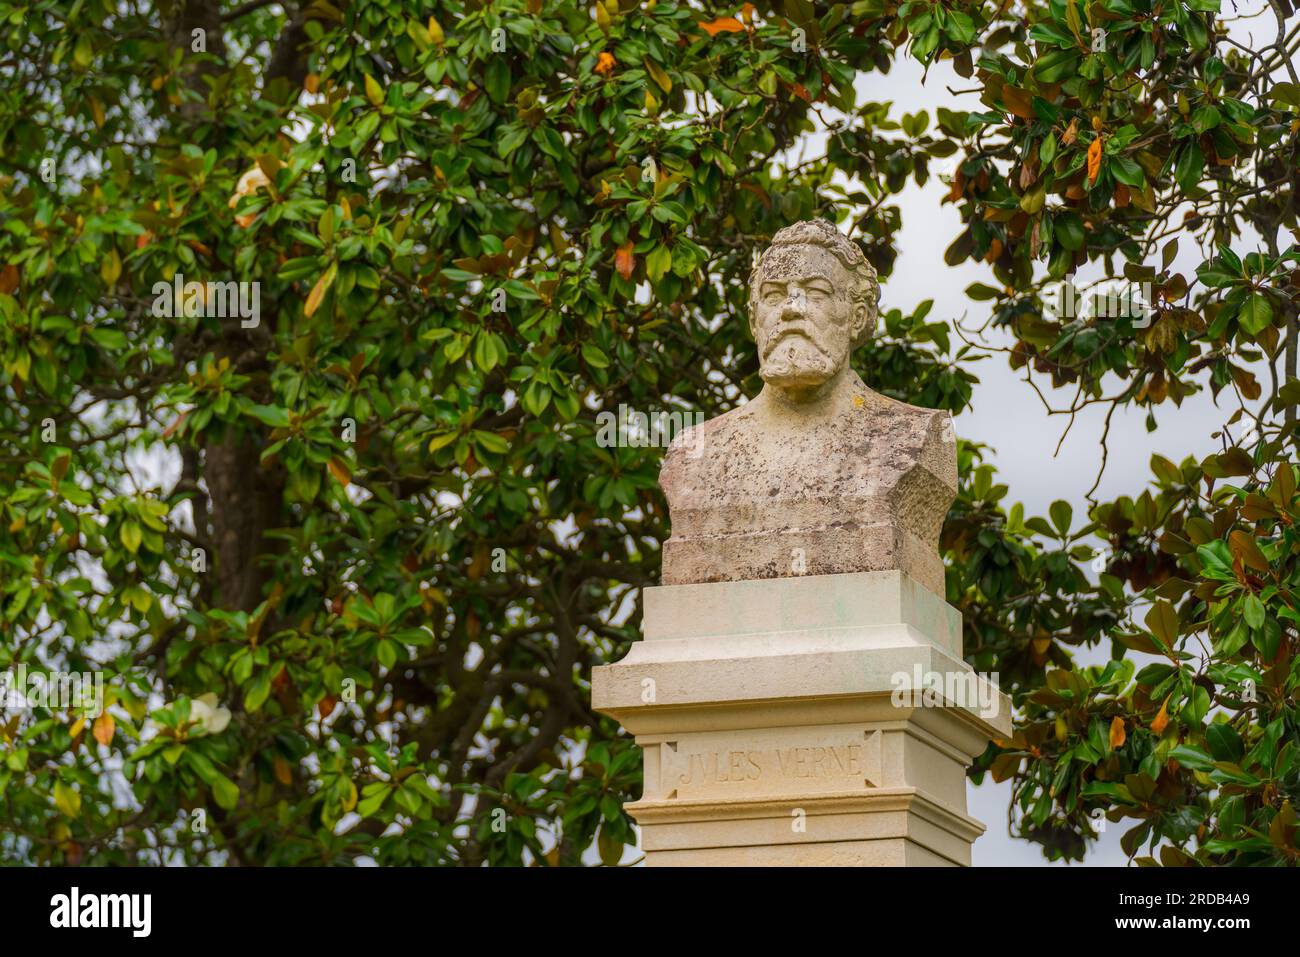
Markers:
point(205, 712)
point(252, 180)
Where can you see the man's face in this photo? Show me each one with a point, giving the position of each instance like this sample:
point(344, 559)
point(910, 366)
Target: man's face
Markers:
point(804, 320)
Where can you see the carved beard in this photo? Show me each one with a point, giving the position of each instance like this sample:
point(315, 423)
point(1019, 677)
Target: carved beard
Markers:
point(795, 360)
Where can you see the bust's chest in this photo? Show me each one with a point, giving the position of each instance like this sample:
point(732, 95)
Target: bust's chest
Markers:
point(747, 464)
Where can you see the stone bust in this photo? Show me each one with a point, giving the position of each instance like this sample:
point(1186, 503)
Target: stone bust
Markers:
point(818, 475)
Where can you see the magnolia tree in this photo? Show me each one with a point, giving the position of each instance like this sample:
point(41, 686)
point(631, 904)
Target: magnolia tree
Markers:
point(309, 311)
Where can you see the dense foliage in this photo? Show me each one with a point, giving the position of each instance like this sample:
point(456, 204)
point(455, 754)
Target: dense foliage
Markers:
point(347, 569)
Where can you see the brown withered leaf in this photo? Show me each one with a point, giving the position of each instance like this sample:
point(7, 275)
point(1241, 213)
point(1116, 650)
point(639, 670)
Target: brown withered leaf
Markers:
point(339, 469)
point(1161, 720)
point(624, 261)
point(318, 291)
point(171, 429)
point(479, 564)
point(1246, 382)
point(1117, 733)
point(1257, 508)
point(103, 728)
point(1018, 102)
point(722, 25)
point(1243, 544)
point(1094, 159)
point(958, 187)
point(282, 772)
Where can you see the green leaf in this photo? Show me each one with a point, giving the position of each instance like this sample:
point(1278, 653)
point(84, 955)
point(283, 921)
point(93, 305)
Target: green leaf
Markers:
point(1197, 706)
point(1068, 229)
point(1191, 163)
point(1228, 772)
point(224, 792)
point(1061, 514)
point(1252, 609)
point(1206, 118)
point(1256, 314)
point(442, 439)
point(485, 353)
point(1047, 149)
point(536, 397)
point(609, 846)
point(203, 767)
point(1190, 757)
point(268, 415)
point(496, 444)
point(67, 799)
point(258, 691)
point(419, 34)
point(108, 338)
point(1127, 172)
point(979, 292)
point(1224, 742)
point(371, 803)
point(658, 262)
point(496, 79)
point(131, 536)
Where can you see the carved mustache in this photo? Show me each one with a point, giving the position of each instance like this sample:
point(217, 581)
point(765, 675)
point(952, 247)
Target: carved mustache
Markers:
point(792, 329)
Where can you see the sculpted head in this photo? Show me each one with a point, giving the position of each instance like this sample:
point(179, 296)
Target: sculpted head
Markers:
point(812, 300)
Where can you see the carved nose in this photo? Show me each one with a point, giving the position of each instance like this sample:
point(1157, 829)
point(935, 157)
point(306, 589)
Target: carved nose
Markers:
point(795, 305)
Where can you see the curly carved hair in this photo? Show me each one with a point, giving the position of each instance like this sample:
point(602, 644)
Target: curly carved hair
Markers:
point(820, 232)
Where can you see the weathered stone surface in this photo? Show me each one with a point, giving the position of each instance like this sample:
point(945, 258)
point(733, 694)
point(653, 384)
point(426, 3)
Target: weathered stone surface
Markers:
point(819, 474)
point(799, 693)
point(789, 734)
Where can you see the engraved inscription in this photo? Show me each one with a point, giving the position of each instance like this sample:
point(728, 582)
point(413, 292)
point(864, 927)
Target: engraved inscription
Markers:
point(719, 767)
point(768, 763)
point(716, 767)
point(821, 762)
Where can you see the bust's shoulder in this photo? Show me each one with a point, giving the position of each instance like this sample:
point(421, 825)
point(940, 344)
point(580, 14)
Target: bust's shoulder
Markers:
point(731, 420)
point(918, 437)
point(910, 416)
point(689, 443)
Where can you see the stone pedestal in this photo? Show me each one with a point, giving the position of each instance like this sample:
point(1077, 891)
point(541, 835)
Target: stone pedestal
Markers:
point(819, 720)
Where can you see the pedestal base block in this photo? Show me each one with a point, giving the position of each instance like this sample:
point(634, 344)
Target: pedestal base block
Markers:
point(825, 720)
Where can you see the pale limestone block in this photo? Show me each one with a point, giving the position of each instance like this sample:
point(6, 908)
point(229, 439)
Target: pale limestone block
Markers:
point(869, 603)
point(784, 733)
